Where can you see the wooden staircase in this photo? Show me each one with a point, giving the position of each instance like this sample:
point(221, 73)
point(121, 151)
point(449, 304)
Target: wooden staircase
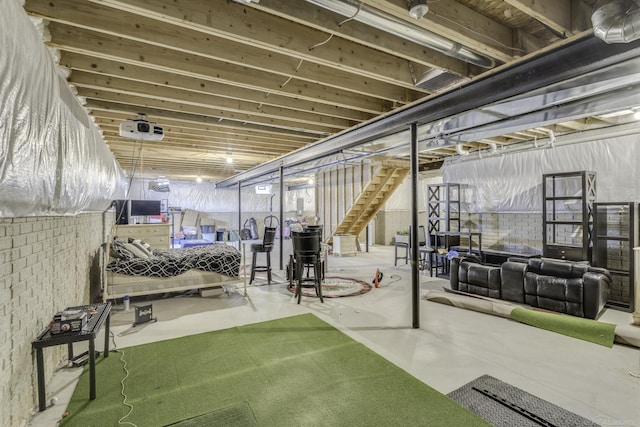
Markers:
point(383, 183)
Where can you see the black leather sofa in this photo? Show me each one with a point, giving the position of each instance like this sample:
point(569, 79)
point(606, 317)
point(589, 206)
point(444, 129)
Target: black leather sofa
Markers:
point(468, 274)
point(573, 288)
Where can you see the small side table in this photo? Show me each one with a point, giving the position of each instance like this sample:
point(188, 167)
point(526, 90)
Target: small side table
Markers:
point(101, 314)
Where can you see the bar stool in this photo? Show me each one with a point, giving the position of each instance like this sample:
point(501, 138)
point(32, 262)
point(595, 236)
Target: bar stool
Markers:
point(306, 252)
point(318, 229)
point(401, 245)
point(265, 247)
point(422, 242)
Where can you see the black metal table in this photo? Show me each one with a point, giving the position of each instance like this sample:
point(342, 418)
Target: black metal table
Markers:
point(100, 313)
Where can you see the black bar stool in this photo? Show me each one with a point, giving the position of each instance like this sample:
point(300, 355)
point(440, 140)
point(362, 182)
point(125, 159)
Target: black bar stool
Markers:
point(266, 246)
point(306, 252)
point(406, 246)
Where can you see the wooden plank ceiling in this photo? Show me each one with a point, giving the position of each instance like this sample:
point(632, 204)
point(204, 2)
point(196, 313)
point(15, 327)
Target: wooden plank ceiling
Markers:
point(256, 81)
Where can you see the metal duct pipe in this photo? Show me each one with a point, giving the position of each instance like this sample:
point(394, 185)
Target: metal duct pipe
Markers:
point(614, 22)
point(392, 25)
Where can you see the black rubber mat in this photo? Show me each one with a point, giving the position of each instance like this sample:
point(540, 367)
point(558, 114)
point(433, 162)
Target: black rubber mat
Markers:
point(504, 405)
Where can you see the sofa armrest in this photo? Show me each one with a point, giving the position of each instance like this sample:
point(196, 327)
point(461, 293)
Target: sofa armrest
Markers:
point(595, 293)
point(453, 273)
point(512, 277)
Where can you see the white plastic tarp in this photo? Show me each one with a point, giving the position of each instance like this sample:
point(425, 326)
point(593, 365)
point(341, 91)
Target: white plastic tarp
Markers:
point(53, 160)
point(513, 182)
point(205, 197)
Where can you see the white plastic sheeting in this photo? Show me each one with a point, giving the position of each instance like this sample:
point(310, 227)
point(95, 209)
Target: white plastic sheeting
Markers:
point(205, 197)
point(53, 160)
point(400, 200)
point(513, 182)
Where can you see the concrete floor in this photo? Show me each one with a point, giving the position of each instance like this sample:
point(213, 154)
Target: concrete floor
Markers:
point(453, 346)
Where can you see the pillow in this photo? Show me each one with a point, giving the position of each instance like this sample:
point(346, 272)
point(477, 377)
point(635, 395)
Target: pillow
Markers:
point(136, 251)
point(144, 247)
point(120, 250)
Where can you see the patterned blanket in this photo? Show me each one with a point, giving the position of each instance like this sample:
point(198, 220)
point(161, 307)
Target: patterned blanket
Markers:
point(219, 258)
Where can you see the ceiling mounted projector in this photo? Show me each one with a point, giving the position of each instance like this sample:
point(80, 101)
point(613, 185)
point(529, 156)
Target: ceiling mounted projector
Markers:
point(140, 128)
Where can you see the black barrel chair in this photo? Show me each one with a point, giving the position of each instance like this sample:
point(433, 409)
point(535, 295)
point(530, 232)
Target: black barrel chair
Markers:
point(306, 253)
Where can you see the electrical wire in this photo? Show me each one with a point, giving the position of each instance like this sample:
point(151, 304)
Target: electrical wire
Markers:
point(339, 25)
point(124, 401)
point(122, 393)
point(392, 279)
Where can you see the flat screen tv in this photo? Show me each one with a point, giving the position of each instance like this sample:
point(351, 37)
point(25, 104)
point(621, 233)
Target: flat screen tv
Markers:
point(145, 207)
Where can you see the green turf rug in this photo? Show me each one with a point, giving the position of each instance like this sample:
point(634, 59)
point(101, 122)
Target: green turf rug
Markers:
point(239, 415)
point(585, 329)
point(291, 372)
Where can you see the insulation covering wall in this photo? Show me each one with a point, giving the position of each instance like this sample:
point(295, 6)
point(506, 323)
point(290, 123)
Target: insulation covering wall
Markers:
point(53, 160)
point(205, 197)
point(513, 182)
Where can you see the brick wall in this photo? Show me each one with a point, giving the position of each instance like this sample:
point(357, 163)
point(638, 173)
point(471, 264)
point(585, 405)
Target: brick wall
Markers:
point(46, 264)
point(507, 230)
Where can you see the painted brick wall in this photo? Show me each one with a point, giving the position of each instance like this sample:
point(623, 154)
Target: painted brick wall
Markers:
point(46, 264)
point(506, 230)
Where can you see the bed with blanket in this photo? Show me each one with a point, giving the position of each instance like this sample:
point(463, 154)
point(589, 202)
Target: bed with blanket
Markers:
point(135, 269)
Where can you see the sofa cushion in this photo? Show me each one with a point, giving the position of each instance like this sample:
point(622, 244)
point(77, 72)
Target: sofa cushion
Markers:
point(479, 279)
point(554, 293)
point(556, 268)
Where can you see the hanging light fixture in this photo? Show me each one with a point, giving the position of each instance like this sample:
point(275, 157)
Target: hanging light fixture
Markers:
point(418, 8)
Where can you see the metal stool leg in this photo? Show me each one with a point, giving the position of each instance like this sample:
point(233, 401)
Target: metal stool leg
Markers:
point(269, 267)
point(253, 266)
point(299, 270)
point(317, 270)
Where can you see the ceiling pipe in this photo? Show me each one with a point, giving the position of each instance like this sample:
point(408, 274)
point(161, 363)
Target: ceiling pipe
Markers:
point(552, 136)
point(616, 21)
point(493, 147)
point(587, 56)
point(370, 16)
point(461, 150)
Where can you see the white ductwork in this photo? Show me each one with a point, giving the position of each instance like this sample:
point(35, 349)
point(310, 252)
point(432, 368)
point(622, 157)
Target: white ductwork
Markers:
point(616, 21)
point(552, 136)
point(461, 150)
point(492, 147)
point(365, 14)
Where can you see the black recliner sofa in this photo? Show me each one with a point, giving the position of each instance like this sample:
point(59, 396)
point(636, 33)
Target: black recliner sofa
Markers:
point(569, 287)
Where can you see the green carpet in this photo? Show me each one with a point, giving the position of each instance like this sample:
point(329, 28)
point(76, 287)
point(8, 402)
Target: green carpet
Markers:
point(293, 371)
point(577, 327)
point(239, 415)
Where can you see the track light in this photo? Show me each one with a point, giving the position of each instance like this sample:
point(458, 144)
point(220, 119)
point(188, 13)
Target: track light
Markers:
point(418, 8)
